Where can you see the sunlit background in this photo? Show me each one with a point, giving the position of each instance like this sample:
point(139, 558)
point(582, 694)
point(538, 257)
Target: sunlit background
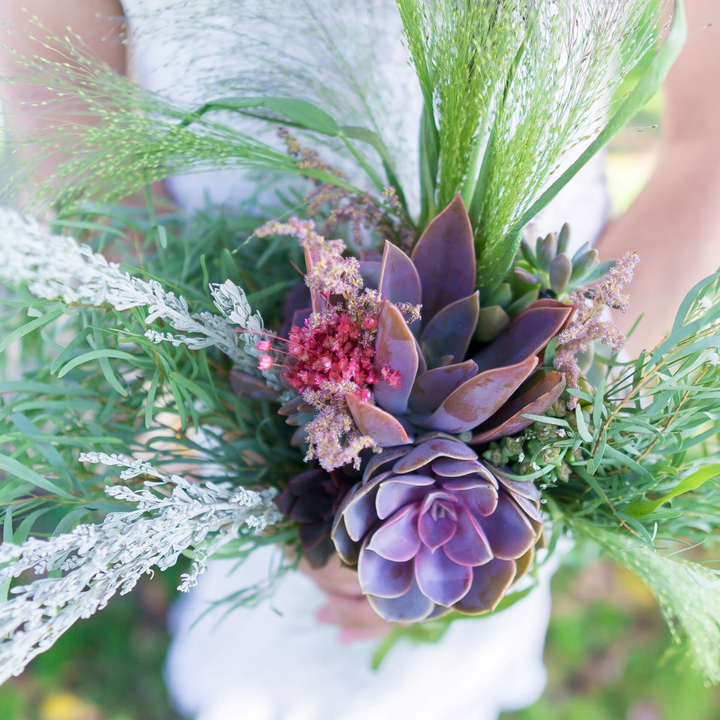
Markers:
point(607, 647)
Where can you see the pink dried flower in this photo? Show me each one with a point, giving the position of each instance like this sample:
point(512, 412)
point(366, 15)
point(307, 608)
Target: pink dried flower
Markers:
point(334, 349)
point(265, 362)
point(588, 325)
point(328, 271)
point(264, 346)
point(392, 377)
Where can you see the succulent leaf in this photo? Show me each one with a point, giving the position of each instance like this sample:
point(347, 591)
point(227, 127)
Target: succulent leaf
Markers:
point(398, 539)
point(449, 333)
point(395, 349)
point(370, 271)
point(475, 401)
point(425, 452)
point(400, 491)
point(509, 419)
point(383, 578)
point(440, 579)
point(560, 271)
point(508, 530)
point(380, 426)
point(433, 386)
point(411, 607)
point(469, 546)
point(399, 279)
point(490, 583)
point(445, 259)
point(492, 321)
point(527, 335)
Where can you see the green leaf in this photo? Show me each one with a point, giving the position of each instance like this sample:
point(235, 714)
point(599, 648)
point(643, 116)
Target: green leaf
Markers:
point(150, 400)
point(44, 448)
point(71, 519)
point(7, 538)
point(96, 355)
point(104, 363)
point(648, 85)
point(30, 327)
point(582, 425)
point(22, 472)
point(193, 388)
point(693, 481)
point(303, 113)
point(690, 299)
point(627, 461)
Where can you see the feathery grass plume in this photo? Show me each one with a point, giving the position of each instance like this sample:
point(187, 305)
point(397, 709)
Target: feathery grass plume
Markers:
point(105, 137)
point(266, 54)
point(688, 593)
point(558, 102)
point(512, 89)
point(462, 53)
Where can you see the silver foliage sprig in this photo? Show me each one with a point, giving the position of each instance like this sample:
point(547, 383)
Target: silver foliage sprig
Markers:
point(58, 267)
point(89, 565)
point(232, 302)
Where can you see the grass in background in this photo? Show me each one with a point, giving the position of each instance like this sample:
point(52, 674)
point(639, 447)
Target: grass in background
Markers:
point(607, 655)
point(109, 667)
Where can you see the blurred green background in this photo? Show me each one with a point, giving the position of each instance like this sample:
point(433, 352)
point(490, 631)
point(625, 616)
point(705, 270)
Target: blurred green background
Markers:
point(607, 650)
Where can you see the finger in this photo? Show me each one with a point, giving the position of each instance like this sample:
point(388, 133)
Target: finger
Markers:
point(333, 577)
point(347, 637)
point(354, 613)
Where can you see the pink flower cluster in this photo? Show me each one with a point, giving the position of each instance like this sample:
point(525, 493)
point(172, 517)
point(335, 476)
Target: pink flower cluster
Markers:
point(589, 324)
point(333, 350)
point(333, 353)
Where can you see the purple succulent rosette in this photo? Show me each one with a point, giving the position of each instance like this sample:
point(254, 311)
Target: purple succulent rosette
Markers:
point(432, 529)
point(442, 389)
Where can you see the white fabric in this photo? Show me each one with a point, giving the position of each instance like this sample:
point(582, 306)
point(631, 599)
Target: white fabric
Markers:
point(275, 662)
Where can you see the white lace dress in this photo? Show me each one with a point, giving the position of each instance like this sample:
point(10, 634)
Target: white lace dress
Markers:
point(276, 662)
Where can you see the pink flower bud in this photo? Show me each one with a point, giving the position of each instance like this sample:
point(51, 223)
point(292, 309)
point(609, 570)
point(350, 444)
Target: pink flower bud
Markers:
point(370, 323)
point(264, 346)
point(365, 395)
point(265, 362)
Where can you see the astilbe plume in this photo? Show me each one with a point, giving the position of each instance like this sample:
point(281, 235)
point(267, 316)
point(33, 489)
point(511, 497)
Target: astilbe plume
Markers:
point(362, 211)
point(590, 324)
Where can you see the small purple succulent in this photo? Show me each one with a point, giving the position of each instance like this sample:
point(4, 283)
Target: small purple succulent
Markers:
point(311, 499)
point(433, 529)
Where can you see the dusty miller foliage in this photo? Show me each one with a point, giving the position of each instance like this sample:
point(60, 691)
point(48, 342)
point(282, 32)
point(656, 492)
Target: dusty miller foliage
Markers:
point(86, 567)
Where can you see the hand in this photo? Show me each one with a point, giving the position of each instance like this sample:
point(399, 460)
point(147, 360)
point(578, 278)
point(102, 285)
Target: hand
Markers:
point(346, 607)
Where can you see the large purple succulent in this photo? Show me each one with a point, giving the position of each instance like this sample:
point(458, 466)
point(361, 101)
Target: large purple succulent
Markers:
point(442, 389)
point(431, 529)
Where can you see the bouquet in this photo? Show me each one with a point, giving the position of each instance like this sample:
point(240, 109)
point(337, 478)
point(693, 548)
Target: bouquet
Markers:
point(408, 380)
